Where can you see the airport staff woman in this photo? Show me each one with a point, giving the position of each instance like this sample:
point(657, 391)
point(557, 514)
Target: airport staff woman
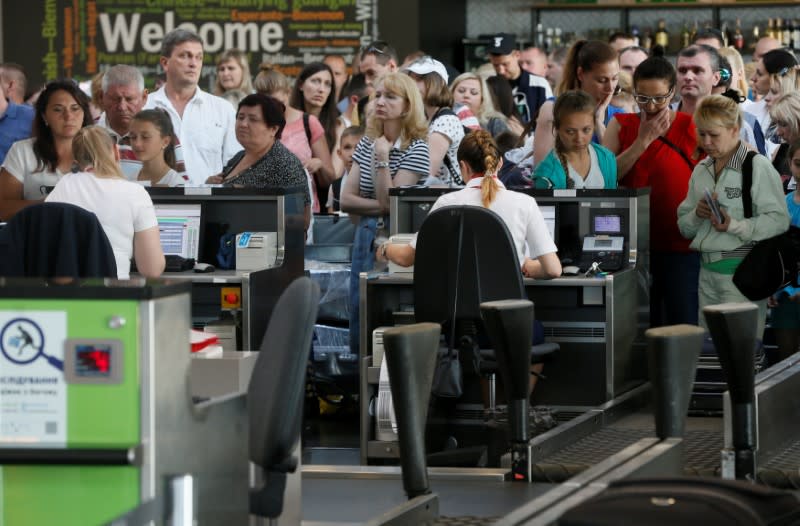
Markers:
point(479, 160)
point(392, 153)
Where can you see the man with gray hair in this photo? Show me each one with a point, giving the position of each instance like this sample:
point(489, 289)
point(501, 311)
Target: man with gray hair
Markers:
point(124, 95)
point(204, 123)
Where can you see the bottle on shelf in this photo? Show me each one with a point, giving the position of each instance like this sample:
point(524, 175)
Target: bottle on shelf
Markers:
point(770, 28)
point(796, 36)
point(694, 31)
point(662, 36)
point(738, 36)
point(647, 39)
point(685, 36)
point(635, 35)
point(786, 34)
point(548, 40)
point(539, 36)
point(756, 36)
point(557, 38)
point(726, 34)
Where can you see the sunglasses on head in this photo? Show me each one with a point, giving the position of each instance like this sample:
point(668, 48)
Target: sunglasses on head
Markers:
point(376, 47)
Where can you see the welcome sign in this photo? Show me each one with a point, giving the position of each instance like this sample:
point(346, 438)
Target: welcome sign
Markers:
point(79, 38)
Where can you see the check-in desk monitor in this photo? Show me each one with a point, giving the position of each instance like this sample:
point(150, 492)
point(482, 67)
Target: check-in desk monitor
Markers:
point(179, 229)
point(194, 220)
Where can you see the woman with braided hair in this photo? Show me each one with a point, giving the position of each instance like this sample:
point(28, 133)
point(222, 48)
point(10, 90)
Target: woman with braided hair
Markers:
point(575, 161)
point(480, 160)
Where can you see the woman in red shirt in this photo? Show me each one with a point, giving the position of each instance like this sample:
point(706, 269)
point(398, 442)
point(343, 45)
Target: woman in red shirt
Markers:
point(654, 148)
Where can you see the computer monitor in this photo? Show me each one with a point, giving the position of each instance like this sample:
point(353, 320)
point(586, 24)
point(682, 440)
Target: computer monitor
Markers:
point(549, 214)
point(179, 228)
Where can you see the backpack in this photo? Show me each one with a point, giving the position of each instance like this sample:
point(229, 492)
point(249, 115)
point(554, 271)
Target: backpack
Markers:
point(771, 263)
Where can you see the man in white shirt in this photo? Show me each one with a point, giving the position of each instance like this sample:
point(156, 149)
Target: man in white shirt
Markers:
point(204, 123)
point(124, 96)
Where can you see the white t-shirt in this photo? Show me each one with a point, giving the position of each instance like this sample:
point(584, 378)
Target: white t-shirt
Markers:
point(518, 211)
point(22, 164)
point(450, 126)
point(171, 178)
point(206, 132)
point(595, 177)
point(122, 207)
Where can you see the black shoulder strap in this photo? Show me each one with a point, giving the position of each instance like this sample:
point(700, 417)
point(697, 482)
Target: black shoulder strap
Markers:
point(747, 183)
point(678, 150)
point(307, 127)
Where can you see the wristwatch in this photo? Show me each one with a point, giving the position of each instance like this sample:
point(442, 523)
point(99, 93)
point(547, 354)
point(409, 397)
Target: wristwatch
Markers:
point(381, 164)
point(382, 250)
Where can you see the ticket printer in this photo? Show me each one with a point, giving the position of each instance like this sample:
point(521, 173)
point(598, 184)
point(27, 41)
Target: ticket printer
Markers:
point(256, 250)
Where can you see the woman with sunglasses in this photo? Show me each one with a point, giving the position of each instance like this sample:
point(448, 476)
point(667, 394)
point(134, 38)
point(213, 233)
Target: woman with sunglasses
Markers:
point(654, 148)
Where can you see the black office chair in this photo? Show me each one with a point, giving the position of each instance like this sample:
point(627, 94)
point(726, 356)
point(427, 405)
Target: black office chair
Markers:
point(56, 240)
point(465, 256)
point(276, 390)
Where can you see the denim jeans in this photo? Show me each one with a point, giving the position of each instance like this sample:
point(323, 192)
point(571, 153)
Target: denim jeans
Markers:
point(363, 260)
point(673, 293)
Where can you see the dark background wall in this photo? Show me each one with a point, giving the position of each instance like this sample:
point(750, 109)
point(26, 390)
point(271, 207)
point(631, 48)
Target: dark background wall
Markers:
point(436, 27)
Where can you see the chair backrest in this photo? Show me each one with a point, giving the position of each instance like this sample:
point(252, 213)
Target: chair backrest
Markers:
point(465, 256)
point(277, 385)
point(56, 240)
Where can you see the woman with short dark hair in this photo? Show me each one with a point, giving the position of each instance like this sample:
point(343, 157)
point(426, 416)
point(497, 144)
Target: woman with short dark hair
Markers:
point(264, 162)
point(654, 149)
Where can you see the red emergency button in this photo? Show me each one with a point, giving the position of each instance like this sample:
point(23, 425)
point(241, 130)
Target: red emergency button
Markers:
point(231, 297)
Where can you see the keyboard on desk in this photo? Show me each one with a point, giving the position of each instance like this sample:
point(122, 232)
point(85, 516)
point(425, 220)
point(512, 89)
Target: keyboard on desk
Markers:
point(177, 263)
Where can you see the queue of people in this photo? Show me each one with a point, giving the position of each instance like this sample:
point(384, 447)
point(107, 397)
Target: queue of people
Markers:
point(565, 118)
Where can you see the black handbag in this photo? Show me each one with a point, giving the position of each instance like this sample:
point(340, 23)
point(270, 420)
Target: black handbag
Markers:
point(448, 382)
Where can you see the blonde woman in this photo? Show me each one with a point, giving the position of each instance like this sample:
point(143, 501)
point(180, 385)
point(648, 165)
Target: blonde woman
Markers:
point(724, 241)
point(233, 75)
point(738, 75)
point(392, 153)
point(784, 112)
point(470, 89)
point(123, 208)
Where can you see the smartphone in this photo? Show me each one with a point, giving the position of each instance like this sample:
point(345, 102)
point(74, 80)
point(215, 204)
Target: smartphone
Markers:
point(714, 205)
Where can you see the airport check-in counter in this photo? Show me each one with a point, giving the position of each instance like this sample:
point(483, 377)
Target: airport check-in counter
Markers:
point(245, 296)
point(96, 409)
point(598, 320)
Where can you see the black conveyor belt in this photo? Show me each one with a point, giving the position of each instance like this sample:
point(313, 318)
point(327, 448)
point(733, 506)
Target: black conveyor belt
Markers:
point(783, 470)
point(704, 439)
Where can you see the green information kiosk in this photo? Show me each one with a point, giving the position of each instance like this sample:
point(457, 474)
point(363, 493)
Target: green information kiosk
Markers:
point(95, 405)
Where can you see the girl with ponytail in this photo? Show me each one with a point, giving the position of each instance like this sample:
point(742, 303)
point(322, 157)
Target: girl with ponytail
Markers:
point(480, 160)
point(575, 161)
